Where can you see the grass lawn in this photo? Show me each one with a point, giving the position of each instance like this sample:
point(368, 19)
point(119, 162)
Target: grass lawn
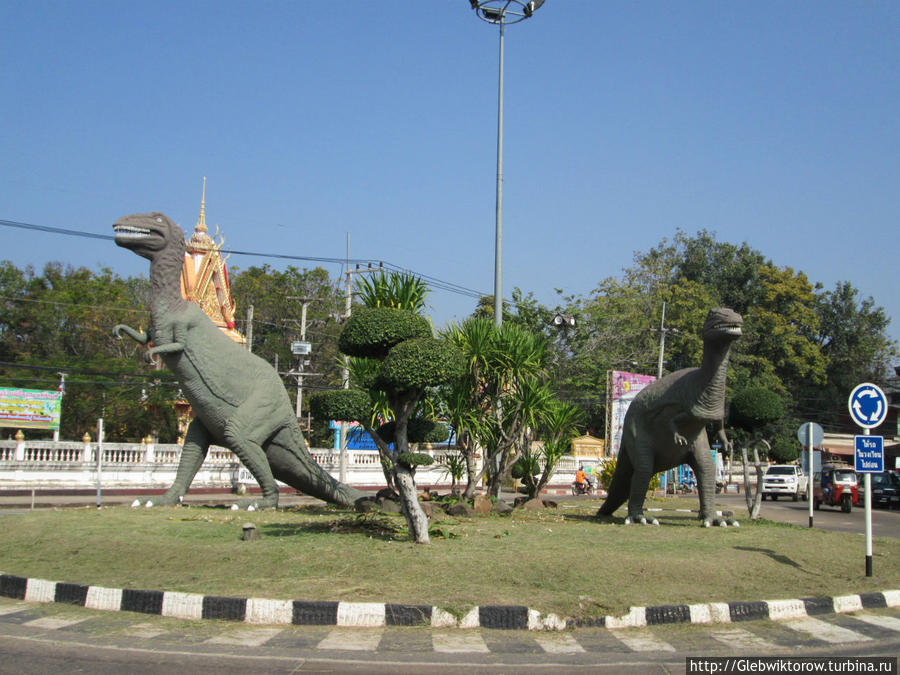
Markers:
point(560, 560)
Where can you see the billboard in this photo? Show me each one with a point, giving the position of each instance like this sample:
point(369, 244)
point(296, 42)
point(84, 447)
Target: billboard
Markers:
point(621, 388)
point(30, 408)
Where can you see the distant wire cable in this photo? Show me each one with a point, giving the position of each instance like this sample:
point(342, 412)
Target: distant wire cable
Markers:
point(81, 371)
point(74, 304)
point(435, 282)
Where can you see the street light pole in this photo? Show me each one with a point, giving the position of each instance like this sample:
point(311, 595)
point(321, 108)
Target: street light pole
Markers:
point(501, 12)
point(498, 230)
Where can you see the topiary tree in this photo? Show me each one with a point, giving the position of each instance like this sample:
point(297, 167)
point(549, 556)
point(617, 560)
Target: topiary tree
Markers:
point(408, 362)
point(753, 410)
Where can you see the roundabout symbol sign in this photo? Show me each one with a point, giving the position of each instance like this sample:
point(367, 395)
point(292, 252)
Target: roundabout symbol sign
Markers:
point(868, 405)
point(868, 408)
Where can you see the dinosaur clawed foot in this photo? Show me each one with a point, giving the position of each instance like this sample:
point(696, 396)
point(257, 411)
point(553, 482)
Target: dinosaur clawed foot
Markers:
point(256, 504)
point(641, 520)
point(725, 522)
point(162, 500)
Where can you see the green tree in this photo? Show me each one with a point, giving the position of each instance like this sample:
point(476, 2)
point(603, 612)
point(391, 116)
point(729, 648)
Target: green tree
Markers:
point(852, 336)
point(60, 321)
point(753, 410)
point(410, 362)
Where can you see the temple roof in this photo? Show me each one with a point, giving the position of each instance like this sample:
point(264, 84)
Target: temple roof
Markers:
point(204, 277)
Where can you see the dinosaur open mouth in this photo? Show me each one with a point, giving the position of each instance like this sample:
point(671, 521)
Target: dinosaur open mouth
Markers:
point(730, 328)
point(130, 231)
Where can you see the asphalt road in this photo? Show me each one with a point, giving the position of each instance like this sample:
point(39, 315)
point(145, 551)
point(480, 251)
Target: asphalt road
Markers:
point(36, 638)
point(885, 523)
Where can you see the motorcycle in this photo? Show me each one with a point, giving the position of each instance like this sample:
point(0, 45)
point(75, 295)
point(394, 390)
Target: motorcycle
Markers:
point(586, 488)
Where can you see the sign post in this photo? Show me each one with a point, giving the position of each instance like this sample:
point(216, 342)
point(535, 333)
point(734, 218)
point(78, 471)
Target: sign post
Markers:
point(868, 408)
point(810, 435)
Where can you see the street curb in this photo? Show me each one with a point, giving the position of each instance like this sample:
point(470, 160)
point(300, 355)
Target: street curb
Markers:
point(375, 614)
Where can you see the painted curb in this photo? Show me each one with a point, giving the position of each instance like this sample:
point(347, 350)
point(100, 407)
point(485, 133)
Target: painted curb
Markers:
point(375, 614)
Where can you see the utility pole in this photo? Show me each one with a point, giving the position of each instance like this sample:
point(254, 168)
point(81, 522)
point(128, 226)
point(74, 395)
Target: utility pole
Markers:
point(300, 349)
point(249, 328)
point(662, 342)
point(62, 390)
point(345, 371)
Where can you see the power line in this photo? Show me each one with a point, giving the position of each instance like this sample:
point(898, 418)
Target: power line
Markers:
point(74, 304)
point(434, 281)
point(80, 371)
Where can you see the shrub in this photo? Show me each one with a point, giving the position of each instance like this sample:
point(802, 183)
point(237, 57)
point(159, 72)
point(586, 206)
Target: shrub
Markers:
point(371, 332)
point(418, 430)
point(420, 363)
point(345, 405)
point(755, 407)
point(523, 465)
point(414, 459)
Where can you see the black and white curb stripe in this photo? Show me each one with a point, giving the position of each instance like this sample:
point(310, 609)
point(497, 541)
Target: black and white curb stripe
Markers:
point(731, 612)
point(372, 614)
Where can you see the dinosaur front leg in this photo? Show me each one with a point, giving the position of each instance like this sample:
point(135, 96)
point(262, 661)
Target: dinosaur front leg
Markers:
point(138, 336)
point(193, 452)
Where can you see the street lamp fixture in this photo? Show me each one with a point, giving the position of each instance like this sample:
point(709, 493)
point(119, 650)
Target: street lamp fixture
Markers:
point(505, 11)
point(500, 13)
point(564, 320)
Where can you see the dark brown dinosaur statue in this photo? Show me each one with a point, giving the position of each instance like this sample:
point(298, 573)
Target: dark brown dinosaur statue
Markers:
point(238, 399)
point(665, 426)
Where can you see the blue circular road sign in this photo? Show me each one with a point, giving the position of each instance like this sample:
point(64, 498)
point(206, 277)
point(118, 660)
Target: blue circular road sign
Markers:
point(868, 405)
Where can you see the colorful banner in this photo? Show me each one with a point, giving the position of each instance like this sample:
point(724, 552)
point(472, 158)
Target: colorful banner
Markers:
point(30, 408)
point(621, 388)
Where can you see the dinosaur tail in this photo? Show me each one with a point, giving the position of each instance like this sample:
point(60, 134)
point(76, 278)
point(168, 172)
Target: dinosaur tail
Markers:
point(292, 464)
point(619, 486)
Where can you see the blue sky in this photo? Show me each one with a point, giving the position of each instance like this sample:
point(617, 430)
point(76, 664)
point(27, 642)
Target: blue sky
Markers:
point(774, 123)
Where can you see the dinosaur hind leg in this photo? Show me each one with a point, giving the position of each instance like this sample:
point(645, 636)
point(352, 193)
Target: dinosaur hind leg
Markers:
point(619, 485)
point(292, 464)
point(701, 462)
point(193, 452)
point(640, 483)
point(238, 439)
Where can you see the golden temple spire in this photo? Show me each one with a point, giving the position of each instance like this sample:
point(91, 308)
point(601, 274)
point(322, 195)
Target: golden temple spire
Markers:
point(200, 239)
point(201, 221)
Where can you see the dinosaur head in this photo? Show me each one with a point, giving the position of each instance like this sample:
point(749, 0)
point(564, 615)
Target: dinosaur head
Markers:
point(722, 324)
point(147, 234)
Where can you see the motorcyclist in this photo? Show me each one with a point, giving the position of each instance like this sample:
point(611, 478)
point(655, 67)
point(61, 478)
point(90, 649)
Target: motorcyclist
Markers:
point(581, 480)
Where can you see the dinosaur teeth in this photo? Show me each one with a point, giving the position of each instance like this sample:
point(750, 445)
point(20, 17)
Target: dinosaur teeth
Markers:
point(130, 231)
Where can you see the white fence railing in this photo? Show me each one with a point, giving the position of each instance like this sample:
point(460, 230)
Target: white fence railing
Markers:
point(49, 464)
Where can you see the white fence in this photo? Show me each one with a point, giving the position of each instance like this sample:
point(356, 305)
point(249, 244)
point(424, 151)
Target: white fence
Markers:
point(72, 465)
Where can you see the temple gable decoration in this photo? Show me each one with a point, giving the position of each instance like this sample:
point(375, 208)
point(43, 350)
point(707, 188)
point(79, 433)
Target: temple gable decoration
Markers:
point(204, 277)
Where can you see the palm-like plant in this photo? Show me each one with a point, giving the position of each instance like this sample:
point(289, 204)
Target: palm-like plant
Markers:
point(558, 426)
point(400, 290)
point(498, 404)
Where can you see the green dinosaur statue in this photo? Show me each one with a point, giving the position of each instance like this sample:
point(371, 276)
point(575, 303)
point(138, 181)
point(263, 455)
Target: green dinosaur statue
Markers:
point(238, 399)
point(665, 426)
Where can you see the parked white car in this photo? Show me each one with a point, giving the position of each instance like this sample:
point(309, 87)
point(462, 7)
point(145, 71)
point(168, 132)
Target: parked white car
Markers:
point(784, 479)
